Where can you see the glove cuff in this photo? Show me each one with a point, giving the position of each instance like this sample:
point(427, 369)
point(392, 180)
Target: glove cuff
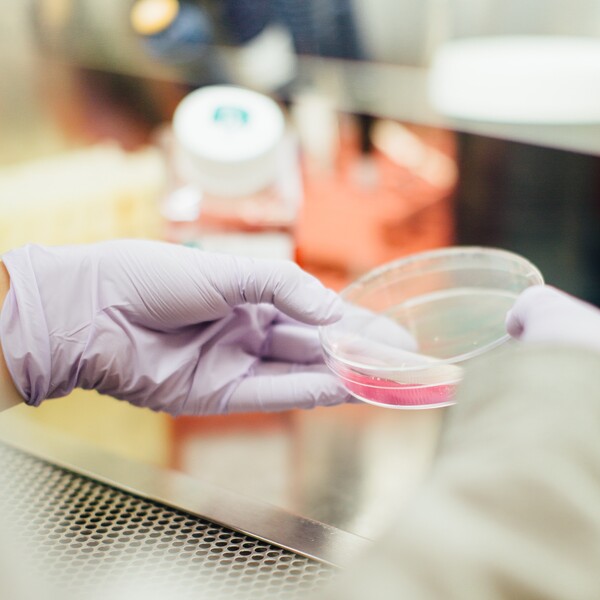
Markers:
point(23, 330)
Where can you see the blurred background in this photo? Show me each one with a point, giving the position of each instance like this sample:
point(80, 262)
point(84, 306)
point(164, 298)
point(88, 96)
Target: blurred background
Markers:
point(401, 129)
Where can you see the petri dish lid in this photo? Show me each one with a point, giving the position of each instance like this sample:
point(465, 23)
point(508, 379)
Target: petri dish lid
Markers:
point(428, 312)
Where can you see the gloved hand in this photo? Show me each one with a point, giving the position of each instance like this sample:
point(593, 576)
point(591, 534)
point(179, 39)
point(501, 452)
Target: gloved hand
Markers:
point(166, 327)
point(545, 314)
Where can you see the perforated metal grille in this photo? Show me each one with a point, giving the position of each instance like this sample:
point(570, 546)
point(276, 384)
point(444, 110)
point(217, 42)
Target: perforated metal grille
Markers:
point(86, 535)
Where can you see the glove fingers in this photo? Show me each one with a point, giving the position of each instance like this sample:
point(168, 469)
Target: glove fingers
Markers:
point(283, 318)
point(281, 283)
point(276, 386)
point(517, 315)
point(534, 303)
point(294, 344)
point(546, 314)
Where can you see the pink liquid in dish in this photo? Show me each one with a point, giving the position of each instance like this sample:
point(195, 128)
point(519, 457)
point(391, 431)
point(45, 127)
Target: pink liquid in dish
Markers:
point(392, 393)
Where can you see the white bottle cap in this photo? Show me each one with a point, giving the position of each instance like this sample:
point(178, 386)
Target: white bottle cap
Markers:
point(228, 139)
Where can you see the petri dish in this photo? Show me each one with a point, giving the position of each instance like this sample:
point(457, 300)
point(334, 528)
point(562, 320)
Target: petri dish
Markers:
point(412, 325)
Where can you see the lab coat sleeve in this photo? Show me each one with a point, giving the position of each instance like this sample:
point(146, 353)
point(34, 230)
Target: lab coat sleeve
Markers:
point(512, 506)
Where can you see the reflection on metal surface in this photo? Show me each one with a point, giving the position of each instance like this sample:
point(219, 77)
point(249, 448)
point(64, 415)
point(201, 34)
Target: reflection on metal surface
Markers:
point(252, 517)
point(351, 467)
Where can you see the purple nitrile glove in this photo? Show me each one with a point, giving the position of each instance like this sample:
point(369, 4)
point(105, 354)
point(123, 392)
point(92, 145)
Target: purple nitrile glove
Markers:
point(544, 314)
point(167, 327)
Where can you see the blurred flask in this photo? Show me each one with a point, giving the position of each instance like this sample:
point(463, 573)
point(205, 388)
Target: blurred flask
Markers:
point(236, 184)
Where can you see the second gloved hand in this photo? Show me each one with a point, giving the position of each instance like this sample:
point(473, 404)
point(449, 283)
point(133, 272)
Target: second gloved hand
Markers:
point(547, 315)
point(167, 327)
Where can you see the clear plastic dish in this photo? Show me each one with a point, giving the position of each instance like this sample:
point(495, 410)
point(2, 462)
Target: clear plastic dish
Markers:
point(413, 324)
